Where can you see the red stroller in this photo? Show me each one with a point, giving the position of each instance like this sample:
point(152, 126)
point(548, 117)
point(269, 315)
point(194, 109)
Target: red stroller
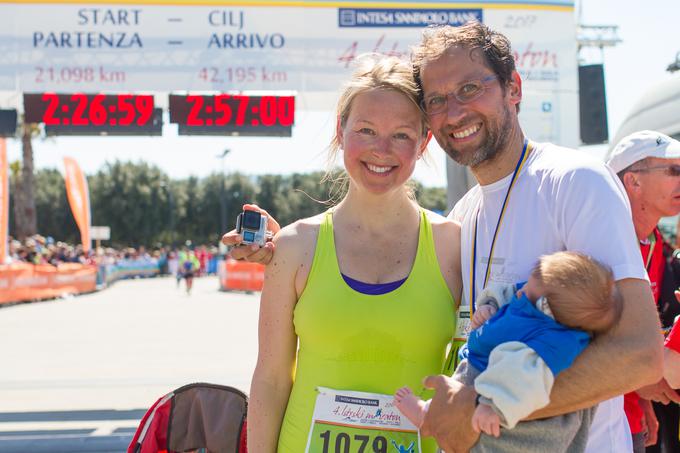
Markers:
point(199, 417)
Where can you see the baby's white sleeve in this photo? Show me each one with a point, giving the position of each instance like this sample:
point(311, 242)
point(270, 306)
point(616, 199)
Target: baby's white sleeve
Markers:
point(516, 383)
point(496, 295)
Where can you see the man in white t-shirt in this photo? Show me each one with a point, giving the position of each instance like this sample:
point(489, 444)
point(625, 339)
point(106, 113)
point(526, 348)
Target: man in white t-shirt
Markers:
point(534, 199)
point(555, 199)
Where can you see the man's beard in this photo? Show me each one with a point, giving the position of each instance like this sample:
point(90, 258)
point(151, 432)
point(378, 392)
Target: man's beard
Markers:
point(496, 139)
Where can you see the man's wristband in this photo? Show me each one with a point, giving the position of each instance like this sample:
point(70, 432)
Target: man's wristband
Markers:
point(477, 399)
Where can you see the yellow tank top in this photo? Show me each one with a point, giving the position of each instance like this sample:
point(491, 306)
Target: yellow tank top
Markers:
point(371, 343)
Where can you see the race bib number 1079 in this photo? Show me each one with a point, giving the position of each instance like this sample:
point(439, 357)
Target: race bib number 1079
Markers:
point(359, 422)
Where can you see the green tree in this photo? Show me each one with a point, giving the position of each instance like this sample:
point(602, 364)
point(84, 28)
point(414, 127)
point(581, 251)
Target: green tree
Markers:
point(25, 217)
point(189, 196)
point(208, 217)
point(239, 189)
point(271, 195)
point(131, 199)
point(145, 207)
point(432, 198)
point(307, 195)
point(293, 197)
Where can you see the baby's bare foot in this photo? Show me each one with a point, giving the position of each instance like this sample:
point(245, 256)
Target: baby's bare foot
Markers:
point(411, 406)
point(402, 393)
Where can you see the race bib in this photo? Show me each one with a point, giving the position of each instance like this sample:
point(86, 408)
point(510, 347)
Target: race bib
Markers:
point(359, 422)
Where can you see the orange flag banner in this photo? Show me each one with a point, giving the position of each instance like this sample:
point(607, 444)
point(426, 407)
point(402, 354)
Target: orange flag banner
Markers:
point(4, 200)
point(79, 198)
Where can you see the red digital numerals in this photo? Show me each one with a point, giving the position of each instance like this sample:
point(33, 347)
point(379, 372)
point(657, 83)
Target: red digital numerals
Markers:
point(240, 110)
point(97, 110)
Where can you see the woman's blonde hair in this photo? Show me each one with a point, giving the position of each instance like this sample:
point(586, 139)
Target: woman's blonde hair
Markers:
point(372, 72)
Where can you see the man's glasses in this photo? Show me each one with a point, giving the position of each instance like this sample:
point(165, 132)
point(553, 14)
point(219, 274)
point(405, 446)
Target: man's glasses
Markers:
point(669, 170)
point(465, 93)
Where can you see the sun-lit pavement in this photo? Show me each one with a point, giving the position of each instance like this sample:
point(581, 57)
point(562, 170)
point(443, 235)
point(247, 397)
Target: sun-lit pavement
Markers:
point(77, 374)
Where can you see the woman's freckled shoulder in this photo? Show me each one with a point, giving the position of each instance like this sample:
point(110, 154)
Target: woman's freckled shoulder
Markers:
point(299, 236)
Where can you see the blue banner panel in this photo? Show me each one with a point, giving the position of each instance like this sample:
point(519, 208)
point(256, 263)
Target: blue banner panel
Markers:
point(361, 17)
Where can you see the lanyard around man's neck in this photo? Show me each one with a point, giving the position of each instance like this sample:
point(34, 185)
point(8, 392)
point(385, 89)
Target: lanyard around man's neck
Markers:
point(473, 266)
point(651, 240)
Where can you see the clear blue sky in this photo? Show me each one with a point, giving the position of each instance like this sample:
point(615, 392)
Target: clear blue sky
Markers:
point(650, 42)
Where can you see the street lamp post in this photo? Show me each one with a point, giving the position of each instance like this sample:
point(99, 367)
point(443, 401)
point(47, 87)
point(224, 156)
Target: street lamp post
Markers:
point(171, 212)
point(223, 199)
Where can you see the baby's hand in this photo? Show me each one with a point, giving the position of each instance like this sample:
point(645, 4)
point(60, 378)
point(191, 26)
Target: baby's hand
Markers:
point(481, 315)
point(486, 420)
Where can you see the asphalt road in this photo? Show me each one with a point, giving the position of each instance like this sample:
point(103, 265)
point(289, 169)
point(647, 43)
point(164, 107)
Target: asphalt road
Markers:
point(77, 374)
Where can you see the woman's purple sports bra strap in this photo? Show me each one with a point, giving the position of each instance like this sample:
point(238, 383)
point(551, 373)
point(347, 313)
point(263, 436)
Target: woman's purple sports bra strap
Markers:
point(373, 289)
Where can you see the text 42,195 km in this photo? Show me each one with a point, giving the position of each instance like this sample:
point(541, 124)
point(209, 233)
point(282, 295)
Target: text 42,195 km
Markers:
point(242, 74)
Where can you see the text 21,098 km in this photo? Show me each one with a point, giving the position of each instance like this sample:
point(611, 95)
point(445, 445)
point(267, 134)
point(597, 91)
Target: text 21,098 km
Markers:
point(77, 74)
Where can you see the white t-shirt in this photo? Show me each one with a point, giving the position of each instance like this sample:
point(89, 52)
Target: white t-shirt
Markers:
point(562, 199)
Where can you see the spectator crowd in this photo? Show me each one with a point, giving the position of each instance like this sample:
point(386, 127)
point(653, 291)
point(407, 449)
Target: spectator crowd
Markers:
point(38, 249)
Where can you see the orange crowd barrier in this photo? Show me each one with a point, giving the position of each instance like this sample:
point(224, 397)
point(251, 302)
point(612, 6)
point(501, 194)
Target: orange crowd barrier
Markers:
point(24, 281)
point(240, 275)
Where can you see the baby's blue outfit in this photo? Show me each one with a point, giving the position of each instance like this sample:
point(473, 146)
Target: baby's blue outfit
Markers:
point(520, 320)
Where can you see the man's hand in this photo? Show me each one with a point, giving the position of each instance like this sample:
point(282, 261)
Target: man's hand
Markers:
point(660, 392)
point(449, 418)
point(482, 315)
point(651, 424)
point(252, 253)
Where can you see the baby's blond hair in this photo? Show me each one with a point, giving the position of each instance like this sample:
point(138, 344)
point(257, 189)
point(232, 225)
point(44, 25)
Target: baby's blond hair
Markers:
point(580, 291)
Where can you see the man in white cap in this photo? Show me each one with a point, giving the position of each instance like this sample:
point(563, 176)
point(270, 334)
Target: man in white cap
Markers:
point(648, 164)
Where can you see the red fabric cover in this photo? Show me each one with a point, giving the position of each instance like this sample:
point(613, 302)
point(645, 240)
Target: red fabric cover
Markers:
point(181, 404)
point(655, 268)
point(156, 436)
point(243, 444)
point(673, 339)
point(631, 405)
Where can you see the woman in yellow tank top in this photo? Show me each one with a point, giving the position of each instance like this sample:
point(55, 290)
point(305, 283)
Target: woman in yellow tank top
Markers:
point(318, 324)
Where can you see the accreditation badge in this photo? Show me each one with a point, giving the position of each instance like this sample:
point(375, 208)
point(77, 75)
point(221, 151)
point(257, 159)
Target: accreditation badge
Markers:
point(359, 422)
point(463, 325)
point(463, 328)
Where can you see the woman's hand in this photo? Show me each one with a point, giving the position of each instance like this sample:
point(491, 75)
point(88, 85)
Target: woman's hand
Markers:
point(252, 252)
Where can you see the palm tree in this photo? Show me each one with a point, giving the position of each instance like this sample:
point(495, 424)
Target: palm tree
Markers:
point(25, 218)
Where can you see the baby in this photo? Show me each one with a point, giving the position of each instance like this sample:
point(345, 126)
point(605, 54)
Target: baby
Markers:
point(525, 334)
